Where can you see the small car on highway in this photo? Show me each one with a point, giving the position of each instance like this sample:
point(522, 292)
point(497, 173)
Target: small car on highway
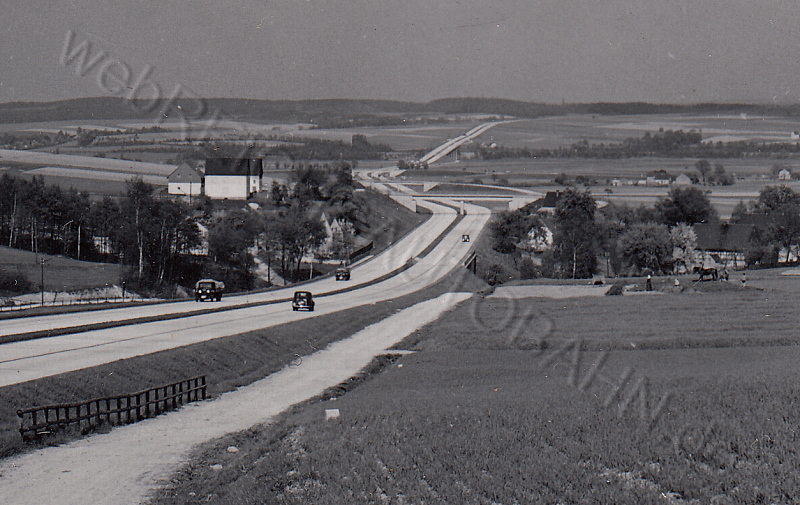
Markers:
point(342, 274)
point(303, 300)
point(208, 289)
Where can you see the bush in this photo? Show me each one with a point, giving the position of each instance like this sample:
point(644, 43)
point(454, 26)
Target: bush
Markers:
point(15, 283)
point(495, 274)
point(528, 269)
point(615, 290)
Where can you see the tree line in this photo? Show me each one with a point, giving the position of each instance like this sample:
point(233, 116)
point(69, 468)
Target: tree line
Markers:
point(659, 239)
point(664, 144)
point(152, 236)
point(158, 239)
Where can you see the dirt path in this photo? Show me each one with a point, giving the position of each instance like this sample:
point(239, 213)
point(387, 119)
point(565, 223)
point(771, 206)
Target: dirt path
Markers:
point(125, 465)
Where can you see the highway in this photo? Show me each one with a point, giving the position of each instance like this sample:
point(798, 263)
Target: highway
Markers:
point(394, 258)
point(33, 359)
point(452, 144)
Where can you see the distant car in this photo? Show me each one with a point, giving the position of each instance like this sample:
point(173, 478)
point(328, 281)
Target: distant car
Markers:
point(208, 289)
point(303, 300)
point(342, 274)
point(465, 238)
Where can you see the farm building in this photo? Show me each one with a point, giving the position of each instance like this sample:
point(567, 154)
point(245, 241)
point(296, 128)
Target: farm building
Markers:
point(784, 175)
point(683, 180)
point(725, 243)
point(233, 178)
point(547, 204)
point(185, 181)
point(658, 178)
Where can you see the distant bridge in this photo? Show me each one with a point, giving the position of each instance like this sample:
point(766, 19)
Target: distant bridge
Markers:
point(453, 144)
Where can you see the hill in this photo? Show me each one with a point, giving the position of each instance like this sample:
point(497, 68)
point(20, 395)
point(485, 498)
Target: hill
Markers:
point(355, 111)
point(60, 273)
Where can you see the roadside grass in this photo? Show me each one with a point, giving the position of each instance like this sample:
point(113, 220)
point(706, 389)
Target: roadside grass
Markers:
point(60, 273)
point(477, 415)
point(388, 220)
point(227, 362)
point(728, 317)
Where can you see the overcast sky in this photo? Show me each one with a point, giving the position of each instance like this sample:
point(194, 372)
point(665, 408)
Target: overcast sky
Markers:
point(663, 51)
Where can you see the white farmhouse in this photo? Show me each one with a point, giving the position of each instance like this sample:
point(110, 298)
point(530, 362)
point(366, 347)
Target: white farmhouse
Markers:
point(185, 181)
point(233, 178)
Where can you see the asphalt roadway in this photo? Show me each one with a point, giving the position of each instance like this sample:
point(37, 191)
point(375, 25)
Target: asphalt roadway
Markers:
point(393, 258)
point(32, 359)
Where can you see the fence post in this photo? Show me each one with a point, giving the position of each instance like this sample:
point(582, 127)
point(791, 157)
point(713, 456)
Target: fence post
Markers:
point(22, 423)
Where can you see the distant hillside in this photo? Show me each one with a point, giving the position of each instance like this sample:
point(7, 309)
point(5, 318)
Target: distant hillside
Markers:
point(337, 112)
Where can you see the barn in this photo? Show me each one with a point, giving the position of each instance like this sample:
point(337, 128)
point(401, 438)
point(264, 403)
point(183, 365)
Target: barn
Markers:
point(233, 178)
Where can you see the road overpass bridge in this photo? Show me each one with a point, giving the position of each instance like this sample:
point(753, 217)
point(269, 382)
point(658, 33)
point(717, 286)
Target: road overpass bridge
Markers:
point(453, 144)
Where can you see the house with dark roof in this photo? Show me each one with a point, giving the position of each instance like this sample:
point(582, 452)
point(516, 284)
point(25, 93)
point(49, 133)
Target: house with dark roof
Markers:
point(723, 242)
point(658, 178)
point(185, 181)
point(233, 178)
point(547, 204)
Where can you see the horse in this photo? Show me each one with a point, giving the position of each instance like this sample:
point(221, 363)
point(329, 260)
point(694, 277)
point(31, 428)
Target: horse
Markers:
point(703, 271)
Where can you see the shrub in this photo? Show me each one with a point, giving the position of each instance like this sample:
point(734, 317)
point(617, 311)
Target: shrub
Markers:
point(495, 274)
point(615, 290)
point(528, 269)
point(14, 283)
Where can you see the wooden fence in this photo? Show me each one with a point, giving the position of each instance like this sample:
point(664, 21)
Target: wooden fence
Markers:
point(7, 305)
point(113, 410)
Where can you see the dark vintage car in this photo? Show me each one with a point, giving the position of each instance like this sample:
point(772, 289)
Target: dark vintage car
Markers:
point(303, 300)
point(342, 274)
point(208, 289)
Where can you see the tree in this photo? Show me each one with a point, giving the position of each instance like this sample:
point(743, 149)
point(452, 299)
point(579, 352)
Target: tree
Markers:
point(782, 204)
point(739, 212)
point(279, 193)
point(297, 234)
point(684, 246)
point(512, 230)
point(720, 177)
point(575, 236)
point(685, 205)
point(646, 245)
point(774, 197)
point(138, 208)
point(704, 167)
point(231, 235)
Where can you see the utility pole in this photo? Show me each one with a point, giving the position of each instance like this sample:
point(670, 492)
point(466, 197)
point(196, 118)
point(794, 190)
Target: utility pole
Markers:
point(43, 260)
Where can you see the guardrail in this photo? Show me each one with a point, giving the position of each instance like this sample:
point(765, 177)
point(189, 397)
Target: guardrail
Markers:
point(114, 410)
point(11, 305)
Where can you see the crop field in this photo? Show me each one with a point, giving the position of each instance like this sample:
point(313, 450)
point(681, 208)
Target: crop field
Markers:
point(674, 398)
point(557, 131)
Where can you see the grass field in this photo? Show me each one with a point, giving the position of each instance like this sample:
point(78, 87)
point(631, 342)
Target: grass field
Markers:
point(547, 401)
point(60, 273)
